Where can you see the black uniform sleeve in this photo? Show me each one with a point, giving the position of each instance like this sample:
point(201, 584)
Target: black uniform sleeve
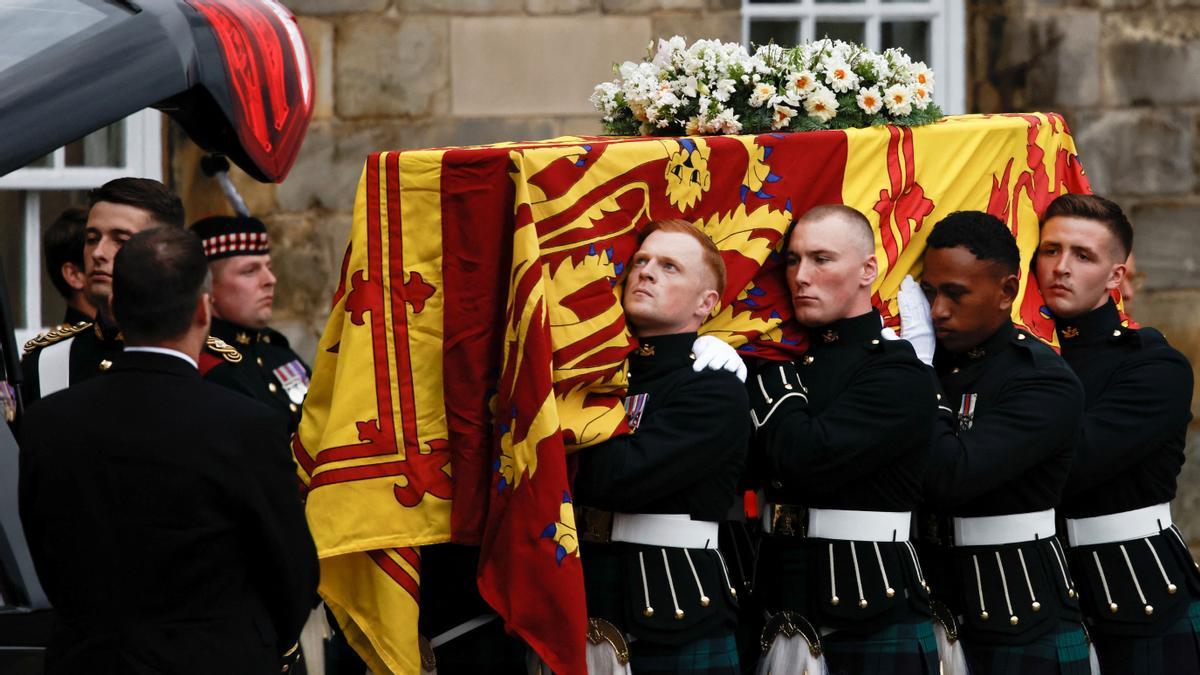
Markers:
point(1143, 399)
point(858, 432)
point(287, 562)
point(1034, 414)
point(682, 441)
point(31, 385)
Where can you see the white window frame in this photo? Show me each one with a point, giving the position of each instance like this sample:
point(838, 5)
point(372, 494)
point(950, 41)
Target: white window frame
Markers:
point(947, 33)
point(143, 158)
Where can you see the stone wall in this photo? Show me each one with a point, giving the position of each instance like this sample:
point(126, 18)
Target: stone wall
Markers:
point(1124, 74)
point(403, 74)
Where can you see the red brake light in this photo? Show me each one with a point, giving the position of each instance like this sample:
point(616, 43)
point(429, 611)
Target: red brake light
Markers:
point(270, 78)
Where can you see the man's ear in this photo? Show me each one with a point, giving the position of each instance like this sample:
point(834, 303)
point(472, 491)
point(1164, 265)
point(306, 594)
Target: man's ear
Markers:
point(203, 313)
point(1116, 276)
point(708, 302)
point(73, 275)
point(870, 272)
point(1009, 285)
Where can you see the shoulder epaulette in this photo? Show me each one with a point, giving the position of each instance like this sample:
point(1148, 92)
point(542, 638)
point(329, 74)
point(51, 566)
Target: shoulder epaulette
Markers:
point(56, 334)
point(221, 347)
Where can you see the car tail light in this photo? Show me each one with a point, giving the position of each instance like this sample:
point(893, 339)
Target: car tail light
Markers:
point(270, 78)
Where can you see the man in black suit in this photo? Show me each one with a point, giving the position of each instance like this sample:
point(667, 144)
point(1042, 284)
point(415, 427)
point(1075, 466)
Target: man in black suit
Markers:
point(168, 534)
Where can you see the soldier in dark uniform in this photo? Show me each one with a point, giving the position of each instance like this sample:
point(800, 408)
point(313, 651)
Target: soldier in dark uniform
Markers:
point(648, 503)
point(1001, 449)
point(62, 244)
point(1138, 582)
point(165, 529)
point(844, 432)
point(67, 355)
point(245, 354)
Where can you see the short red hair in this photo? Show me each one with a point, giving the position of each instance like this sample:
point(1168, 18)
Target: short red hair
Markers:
point(710, 254)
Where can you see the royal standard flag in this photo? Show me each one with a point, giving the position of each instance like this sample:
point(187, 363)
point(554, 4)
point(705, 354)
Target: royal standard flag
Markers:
point(476, 337)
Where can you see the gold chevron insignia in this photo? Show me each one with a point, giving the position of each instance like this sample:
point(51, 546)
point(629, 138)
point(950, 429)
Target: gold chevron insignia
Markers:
point(221, 347)
point(56, 334)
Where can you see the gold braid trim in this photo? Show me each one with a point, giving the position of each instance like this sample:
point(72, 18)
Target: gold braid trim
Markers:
point(221, 347)
point(56, 334)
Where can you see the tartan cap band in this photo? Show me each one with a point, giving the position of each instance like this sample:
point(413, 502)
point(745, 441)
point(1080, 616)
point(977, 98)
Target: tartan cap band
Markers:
point(226, 236)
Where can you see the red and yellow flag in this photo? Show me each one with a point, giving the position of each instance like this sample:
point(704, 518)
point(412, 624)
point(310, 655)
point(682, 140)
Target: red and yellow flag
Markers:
point(476, 337)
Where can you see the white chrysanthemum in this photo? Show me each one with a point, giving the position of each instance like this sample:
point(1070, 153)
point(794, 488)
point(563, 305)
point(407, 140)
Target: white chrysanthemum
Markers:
point(726, 122)
point(922, 76)
point(762, 93)
point(821, 104)
point(921, 97)
point(802, 81)
point(839, 76)
point(783, 116)
point(724, 89)
point(869, 100)
point(898, 99)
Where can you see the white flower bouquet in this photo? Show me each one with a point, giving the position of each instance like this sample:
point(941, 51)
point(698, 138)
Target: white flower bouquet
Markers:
point(714, 87)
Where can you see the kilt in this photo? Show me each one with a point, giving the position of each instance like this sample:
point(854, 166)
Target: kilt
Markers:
point(712, 656)
point(1175, 651)
point(901, 649)
point(1060, 652)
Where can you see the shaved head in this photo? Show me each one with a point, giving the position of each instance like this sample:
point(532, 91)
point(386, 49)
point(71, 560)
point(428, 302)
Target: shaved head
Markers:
point(854, 222)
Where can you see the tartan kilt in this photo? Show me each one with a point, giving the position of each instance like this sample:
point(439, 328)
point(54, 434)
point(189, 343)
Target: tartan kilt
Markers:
point(1063, 651)
point(907, 648)
point(1175, 651)
point(706, 656)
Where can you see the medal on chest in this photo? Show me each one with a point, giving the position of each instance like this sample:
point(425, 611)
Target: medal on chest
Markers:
point(294, 380)
point(966, 412)
point(634, 406)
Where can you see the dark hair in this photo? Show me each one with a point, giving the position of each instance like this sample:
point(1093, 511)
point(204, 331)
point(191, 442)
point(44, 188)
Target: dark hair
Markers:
point(158, 277)
point(144, 193)
point(983, 234)
point(1097, 208)
point(62, 243)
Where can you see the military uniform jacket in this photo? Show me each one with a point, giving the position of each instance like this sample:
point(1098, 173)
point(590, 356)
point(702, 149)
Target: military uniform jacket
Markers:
point(684, 456)
point(859, 442)
point(169, 537)
point(259, 364)
point(1138, 396)
point(67, 355)
point(1002, 444)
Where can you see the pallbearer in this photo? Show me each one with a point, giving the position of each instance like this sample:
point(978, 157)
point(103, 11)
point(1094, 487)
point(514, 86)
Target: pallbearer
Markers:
point(648, 503)
point(845, 432)
point(1001, 449)
point(1137, 579)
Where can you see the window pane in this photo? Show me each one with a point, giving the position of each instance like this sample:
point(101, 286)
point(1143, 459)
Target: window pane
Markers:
point(105, 147)
point(12, 233)
point(911, 36)
point(849, 31)
point(52, 206)
point(785, 33)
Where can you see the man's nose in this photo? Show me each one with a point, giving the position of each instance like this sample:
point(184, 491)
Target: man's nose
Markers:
point(939, 308)
point(1062, 266)
point(800, 274)
point(268, 278)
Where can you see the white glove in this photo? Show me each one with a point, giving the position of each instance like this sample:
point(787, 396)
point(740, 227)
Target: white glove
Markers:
point(916, 320)
point(714, 353)
point(888, 334)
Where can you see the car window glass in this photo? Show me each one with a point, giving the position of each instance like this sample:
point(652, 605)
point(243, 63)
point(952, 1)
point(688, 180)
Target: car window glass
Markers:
point(28, 27)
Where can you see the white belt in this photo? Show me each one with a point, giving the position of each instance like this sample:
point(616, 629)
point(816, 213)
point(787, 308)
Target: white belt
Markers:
point(999, 530)
point(859, 525)
point(1135, 524)
point(670, 530)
